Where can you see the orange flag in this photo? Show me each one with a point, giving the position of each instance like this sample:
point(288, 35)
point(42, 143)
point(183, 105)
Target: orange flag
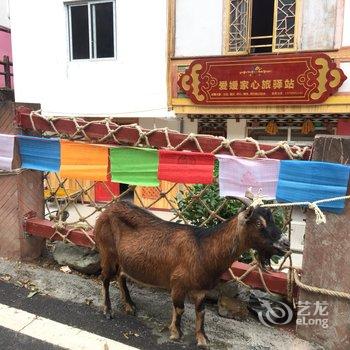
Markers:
point(84, 161)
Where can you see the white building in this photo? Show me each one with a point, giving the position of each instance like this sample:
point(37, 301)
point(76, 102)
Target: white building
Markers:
point(105, 58)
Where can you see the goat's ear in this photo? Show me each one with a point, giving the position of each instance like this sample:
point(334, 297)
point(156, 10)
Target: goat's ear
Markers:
point(249, 212)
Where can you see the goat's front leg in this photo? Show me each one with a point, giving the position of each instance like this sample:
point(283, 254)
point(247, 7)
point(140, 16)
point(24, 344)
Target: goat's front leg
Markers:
point(200, 312)
point(129, 306)
point(178, 296)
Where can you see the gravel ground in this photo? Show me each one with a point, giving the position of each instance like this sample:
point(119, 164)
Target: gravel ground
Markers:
point(154, 308)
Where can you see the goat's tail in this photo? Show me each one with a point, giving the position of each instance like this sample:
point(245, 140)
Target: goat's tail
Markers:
point(105, 232)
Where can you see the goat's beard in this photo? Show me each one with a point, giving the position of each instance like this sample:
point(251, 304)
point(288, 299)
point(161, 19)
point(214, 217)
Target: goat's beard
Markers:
point(264, 259)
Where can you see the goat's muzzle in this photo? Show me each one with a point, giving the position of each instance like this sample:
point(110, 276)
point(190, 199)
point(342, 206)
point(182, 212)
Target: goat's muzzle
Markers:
point(282, 245)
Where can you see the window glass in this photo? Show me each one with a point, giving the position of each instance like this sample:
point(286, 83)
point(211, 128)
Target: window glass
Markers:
point(262, 26)
point(238, 26)
point(285, 26)
point(104, 33)
point(79, 32)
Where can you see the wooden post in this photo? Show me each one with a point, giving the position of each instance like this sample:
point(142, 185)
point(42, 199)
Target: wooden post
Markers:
point(19, 194)
point(326, 263)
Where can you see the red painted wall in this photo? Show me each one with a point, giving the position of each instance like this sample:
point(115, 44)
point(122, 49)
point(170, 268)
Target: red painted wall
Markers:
point(343, 127)
point(5, 49)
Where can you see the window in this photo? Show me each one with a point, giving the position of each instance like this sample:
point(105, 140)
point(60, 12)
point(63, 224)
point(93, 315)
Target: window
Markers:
point(258, 26)
point(290, 130)
point(91, 30)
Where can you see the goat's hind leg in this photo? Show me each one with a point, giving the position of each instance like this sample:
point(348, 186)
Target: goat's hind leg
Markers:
point(200, 312)
point(198, 299)
point(178, 296)
point(108, 272)
point(129, 305)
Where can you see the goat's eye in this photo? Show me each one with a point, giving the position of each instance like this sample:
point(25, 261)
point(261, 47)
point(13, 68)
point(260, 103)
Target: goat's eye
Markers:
point(258, 224)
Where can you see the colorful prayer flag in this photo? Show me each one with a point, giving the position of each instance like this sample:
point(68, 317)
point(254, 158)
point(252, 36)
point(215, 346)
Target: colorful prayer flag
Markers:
point(186, 167)
point(237, 175)
point(39, 153)
point(134, 166)
point(84, 161)
point(302, 181)
point(7, 146)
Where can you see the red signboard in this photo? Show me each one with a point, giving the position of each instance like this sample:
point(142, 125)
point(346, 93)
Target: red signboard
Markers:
point(269, 79)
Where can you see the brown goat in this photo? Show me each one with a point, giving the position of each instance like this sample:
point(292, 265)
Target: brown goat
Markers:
point(184, 259)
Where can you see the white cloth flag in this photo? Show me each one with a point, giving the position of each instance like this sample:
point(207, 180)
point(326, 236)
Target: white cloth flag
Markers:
point(237, 175)
point(7, 145)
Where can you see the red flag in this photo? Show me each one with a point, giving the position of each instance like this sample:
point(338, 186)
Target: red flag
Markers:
point(186, 167)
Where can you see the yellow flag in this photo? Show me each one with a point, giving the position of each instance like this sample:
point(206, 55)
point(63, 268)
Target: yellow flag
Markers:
point(84, 161)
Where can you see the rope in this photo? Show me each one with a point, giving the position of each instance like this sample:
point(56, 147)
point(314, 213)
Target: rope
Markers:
point(113, 130)
point(12, 172)
point(318, 290)
point(320, 216)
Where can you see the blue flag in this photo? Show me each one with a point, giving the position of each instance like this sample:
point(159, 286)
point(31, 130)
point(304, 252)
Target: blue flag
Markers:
point(39, 153)
point(302, 181)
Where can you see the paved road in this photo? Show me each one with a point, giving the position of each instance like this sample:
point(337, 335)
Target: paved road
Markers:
point(82, 317)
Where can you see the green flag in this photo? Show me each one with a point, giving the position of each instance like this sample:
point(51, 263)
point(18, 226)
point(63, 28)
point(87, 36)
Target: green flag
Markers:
point(134, 166)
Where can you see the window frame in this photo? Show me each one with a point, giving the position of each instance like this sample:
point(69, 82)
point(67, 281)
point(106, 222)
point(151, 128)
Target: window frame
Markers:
point(92, 30)
point(247, 51)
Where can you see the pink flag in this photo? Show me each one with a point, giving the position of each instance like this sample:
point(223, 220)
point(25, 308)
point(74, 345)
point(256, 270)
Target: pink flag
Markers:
point(7, 145)
point(237, 175)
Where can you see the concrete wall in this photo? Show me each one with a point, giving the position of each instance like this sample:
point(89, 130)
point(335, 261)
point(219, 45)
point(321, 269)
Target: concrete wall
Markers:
point(319, 19)
point(346, 27)
point(152, 123)
point(198, 27)
point(345, 66)
point(236, 130)
point(190, 126)
point(133, 82)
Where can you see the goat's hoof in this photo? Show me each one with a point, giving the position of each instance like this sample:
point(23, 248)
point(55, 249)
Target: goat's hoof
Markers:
point(174, 337)
point(202, 341)
point(130, 309)
point(175, 334)
point(108, 315)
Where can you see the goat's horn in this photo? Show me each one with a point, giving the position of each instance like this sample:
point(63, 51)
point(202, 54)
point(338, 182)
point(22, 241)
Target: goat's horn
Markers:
point(248, 202)
point(249, 194)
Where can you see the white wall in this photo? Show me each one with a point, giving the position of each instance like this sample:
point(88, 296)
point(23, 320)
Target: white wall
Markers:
point(4, 13)
point(346, 28)
point(153, 123)
point(198, 27)
point(190, 126)
point(318, 24)
point(134, 82)
point(236, 130)
point(345, 66)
